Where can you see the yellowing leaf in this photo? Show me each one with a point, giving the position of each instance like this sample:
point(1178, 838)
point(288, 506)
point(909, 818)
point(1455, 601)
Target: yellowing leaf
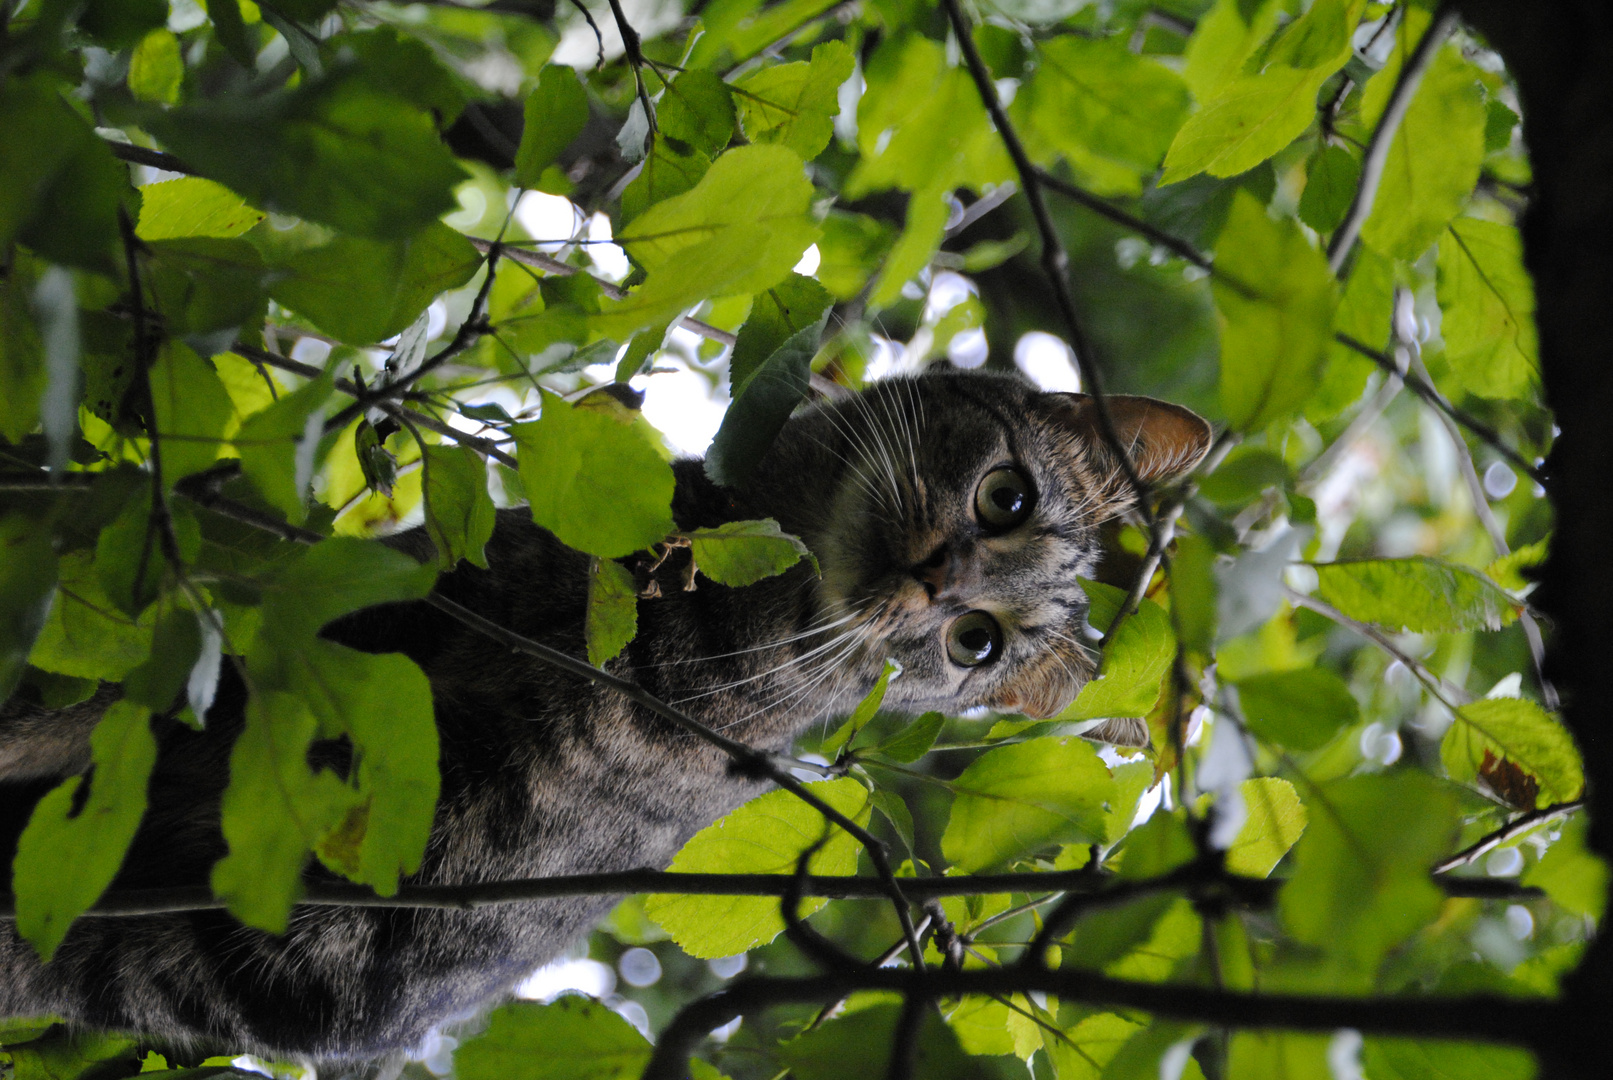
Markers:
point(1276, 307)
point(1518, 731)
point(765, 836)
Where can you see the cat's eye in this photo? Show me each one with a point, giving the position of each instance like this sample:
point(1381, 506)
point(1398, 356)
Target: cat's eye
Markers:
point(1003, 499)
point(974, 638)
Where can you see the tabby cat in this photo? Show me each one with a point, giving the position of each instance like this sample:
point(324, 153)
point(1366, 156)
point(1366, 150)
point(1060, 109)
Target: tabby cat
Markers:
point(951, 515)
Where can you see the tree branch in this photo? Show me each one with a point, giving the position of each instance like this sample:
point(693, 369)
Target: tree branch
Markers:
point(1481, 1017)
point(1513, 829)
point(1055, 261)
point(1099, 890)
point(1383, 136)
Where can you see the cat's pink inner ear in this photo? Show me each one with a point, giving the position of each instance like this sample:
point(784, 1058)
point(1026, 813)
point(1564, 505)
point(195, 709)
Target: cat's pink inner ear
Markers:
point(1164, 440)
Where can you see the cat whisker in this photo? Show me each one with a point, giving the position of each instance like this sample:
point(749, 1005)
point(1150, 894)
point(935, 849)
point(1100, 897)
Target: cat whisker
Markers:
point(821, 625)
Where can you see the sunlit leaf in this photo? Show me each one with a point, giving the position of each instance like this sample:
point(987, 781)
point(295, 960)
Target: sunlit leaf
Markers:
point(1517, 731)
point(795, 104)
point(573, 1039)
point(864, 712)
point(1572, 875)
point(1419, 594)
point(1133, 663)
point(278, 445)
point(1017, 799)
point(594, 480)
point(776, 315)
point(459, 511)
point(1488, 306)
point(740, 553)
point(1276, 820)
point(765, 836)
point(96, 827)
point(1417, 1059)
point(85, 635)
point(697, 110)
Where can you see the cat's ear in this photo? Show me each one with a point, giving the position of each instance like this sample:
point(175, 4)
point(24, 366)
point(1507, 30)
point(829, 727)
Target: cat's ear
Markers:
point(1164, 440)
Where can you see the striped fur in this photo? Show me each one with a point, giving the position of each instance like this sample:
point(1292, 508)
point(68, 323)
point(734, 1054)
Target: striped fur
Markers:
point(546, 774)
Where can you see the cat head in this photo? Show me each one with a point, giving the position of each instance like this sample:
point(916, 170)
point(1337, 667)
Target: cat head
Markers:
point(954, 514)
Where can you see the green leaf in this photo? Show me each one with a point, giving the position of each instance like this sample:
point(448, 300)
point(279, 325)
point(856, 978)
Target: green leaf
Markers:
point(1508, 570)
point(193, 409)
point(795, 104)
point(573, 1039)
point(667, 172)
point(274, 811)
point(864, 712)
point(1223, 40)
point(1433, 162)
point(865, 1038)
point(740, 553)
point(1427, 1059)
point(459, 511)
point(1015, 800)
point(278, 445)
point(337, 150)
point(1573, 875)
point(129, 559)
point(1360, 884)
point(305, 591)
point(1110, 112)
point(1488, 305)
point(1300, 710)
point(398, 63)
point(1280, 1054)
point(556, 112)
point(1330, 185)
point(27, 580)
point(362, 291)
point(1133, 663)
point(1499, 120)
point(612, 618)
point(776, 315)
point(740, 229)
point(206, 284)
point(192, 206)
point(913, 740)
point(156, 70)
point(597, 482)
point(53, 891)
point(176, 642)
point(60, 187)
point(85, 635)
point(920, 239)
point(697, 110)
point(760, 412)
point(1493, 736)
point(1193, 592)
point(765, 836)
point(1083, 1051)
point(1276, 820)
point(1419, 594)
point(22, 367)
point(940, 138)
point(1254, 115)
point(230, 30)
point(1364, 313)
point(383, 704)
point(1276, 328)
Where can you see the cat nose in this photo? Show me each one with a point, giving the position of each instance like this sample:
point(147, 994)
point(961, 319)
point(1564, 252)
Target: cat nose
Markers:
point(935, 572)
point(946, 574)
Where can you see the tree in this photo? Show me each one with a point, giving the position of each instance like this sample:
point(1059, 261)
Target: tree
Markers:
point(1285, 215)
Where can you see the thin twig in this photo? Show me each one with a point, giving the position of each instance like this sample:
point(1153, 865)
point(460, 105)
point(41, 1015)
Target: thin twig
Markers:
point(1377, 155)
point(1106, 209)
point(599, 38)
point(1055, 261)
point(1448, 693)
point(1513, 829)
point(157, 159)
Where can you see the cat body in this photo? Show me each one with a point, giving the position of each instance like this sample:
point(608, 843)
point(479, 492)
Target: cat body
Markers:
point(951, 516)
